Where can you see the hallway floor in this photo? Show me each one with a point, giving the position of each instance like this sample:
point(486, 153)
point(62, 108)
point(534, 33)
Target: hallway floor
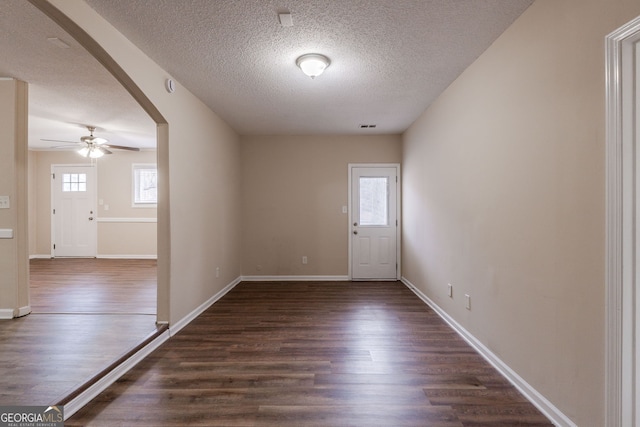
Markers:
point(86, 314)
point(313, 354)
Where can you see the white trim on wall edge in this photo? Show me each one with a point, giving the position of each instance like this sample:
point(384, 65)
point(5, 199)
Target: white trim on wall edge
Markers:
point(23, 311)
point(8, 313)
point(294, 278)
point(176, 327)
point(104, 256)
point(531, 394)
point(76, 404)
point(122, 256)
point(124, 220)
point(621, 282)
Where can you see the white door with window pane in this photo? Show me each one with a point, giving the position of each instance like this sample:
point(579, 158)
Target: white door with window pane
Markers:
point(74, 230)
point(374, 225)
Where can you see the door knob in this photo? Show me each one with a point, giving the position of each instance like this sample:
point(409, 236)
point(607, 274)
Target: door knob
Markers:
point(355, 231)
point(90, 218)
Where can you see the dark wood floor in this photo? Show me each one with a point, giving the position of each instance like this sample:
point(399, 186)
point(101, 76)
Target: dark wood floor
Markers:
point(313, 354)
point(91, 285)
point(86, 314)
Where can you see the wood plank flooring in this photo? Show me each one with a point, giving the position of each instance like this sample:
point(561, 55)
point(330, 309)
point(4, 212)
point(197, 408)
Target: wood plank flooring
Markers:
point(86, 314)
point(313, 354)
point(93, 285)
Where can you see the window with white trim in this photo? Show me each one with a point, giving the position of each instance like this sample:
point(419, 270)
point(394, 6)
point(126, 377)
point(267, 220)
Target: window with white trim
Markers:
point(145, 185)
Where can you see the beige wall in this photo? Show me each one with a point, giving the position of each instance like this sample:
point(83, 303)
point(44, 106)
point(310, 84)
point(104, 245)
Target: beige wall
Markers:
point(32, 196)
point(199, 164)
point(114, 176)
point(293, 191)
point(14, 271)
point(504, 198)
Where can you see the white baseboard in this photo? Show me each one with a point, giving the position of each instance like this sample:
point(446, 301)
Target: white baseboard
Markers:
point(107, 256)
point(23, 311)
point(176, 327)
point(294, 278)
point(537, 399)
point(122, 256)
point(6, 313)
point(76, 404)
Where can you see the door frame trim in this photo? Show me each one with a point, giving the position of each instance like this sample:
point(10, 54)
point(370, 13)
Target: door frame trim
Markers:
point(622, 380)
point(352, 166)
point(52, 190)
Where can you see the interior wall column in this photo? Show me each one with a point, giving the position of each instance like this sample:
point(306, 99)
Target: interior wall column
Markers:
point(14, 239)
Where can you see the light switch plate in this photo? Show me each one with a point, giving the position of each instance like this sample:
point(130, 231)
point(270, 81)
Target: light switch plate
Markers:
point(4, 202)
point(6, 233)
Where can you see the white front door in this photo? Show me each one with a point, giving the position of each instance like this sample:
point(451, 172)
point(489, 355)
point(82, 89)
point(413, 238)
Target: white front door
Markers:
point(374, 222)
point(74, 222)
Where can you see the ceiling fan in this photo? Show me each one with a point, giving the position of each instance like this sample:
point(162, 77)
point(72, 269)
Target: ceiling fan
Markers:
point(95, 147)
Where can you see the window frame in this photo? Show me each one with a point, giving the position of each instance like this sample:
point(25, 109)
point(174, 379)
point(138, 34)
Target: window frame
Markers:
point(134, 182)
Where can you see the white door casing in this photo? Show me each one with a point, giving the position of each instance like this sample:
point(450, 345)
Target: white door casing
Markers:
point(622, 392)
point(374, 245)
point(73, 211)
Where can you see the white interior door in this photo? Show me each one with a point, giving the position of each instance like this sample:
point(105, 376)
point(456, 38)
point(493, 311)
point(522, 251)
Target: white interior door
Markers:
point(74, 223)
point(374, 222)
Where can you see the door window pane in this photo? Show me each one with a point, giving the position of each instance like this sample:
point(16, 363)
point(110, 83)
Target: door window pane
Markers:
point(74, 182)
point(374, 201)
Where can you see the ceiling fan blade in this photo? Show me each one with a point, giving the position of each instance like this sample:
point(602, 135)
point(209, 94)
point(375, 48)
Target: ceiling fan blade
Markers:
point(121, 147)
point(59, 140)
point(71, 147)
point(104, 150)
point(93, 140)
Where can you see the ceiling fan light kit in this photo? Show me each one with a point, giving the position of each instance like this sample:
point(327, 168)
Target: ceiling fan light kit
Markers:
point(94, 147)
point(91, 152)
point(313, 64)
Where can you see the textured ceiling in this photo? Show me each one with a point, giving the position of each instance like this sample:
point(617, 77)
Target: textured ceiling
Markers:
point(68, 89)
point(389, 59)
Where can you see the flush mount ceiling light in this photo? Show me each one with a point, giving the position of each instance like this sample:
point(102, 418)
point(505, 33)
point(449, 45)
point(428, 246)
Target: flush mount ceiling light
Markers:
point(313, 64)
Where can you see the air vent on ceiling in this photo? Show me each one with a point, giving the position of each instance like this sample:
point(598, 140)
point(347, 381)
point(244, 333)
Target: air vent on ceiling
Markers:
point(367, 126)
point(286, 20)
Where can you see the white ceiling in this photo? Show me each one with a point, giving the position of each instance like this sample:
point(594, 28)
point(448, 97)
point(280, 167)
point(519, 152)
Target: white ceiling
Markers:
point(390, 59)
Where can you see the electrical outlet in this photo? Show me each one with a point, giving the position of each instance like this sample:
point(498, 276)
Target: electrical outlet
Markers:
point(467, 301)
point(304, 260)
point(450, 290)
